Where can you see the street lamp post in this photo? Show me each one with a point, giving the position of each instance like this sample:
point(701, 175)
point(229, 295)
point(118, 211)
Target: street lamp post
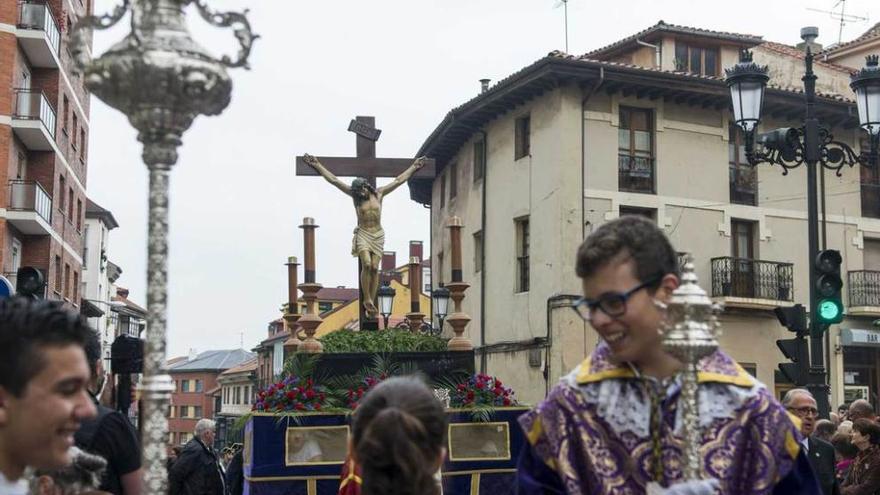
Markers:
point(440, 297)
point(813, 145)
point(386, 295)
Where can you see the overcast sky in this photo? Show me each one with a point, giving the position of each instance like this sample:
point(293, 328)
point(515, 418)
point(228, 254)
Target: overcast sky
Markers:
point(236, 202)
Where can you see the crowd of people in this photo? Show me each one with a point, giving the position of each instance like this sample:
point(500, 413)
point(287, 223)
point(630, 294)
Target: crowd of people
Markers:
point(610, 426)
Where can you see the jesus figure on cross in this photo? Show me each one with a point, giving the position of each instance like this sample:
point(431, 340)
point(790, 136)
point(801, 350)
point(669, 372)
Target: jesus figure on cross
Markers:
point(368, 242)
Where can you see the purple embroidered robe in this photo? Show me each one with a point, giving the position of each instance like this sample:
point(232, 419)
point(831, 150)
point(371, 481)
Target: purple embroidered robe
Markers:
point(593, 433)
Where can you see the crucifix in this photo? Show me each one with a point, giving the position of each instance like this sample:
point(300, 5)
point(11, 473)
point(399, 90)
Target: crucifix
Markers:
point(369, 237)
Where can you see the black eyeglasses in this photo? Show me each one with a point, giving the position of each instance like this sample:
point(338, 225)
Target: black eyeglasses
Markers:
point(803, 412)
point(612, 304)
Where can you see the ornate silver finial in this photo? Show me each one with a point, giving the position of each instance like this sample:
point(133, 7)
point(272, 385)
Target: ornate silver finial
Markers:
point(690, 334)
point(161, 80)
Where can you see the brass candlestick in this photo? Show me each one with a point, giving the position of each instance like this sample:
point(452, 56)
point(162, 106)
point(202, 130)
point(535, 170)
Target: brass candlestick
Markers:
point(458, 320)
point(310, 321)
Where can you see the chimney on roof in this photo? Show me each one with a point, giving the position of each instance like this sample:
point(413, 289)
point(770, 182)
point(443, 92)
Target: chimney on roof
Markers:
point(415, 249)
point(484, 85)
point(809, 35)
point(192, 354)
point(122, 292)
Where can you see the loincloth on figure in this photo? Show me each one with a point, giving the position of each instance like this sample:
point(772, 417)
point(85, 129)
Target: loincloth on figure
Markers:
point(364, 240)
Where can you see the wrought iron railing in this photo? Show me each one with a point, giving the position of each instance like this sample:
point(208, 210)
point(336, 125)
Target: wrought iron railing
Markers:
point(743, 277)
point(32, 104)
point(635, 174)
point(36, 14)
point(743, 185)
point(870, 200)
point(864, 288)
point(30, 196)
point(523, 272)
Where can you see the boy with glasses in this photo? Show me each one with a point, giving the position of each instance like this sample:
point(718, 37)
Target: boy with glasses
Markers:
point(611, 426)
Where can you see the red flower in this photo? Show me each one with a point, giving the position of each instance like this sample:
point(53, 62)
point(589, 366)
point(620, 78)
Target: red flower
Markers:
point(310, 394)
point(470, 395)
point(299, 406)
point(317, 407)
point(497, 383)
point(506, 401)
point(480, 385)
point(291, 395)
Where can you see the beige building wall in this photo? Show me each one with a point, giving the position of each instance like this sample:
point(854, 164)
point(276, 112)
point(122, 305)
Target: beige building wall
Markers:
point(570, 138)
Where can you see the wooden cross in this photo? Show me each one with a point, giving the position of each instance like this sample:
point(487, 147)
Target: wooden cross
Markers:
point(365, 164)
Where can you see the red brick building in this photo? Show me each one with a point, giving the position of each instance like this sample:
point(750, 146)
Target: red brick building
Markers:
point(44, 132)
point(195, 389)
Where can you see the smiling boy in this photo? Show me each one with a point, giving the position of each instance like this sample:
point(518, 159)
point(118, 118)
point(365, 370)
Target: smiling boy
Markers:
point(611, 426)
point(43, 377)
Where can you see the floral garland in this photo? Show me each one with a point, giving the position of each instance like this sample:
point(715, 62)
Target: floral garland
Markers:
point(481, 391)
point(355, 394)
point(291, 394)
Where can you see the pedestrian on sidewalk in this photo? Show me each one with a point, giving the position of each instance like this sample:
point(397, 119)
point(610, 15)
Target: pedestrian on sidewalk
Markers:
point(197, 470)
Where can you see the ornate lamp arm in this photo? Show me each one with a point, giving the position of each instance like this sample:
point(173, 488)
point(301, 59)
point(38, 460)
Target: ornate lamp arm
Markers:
point(79, 48)
point(243, 33)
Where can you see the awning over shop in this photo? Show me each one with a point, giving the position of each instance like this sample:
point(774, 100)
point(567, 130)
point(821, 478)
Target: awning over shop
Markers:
point(859, 337)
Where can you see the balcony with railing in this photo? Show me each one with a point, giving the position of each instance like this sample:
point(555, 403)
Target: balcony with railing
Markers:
point(864, 293)
point(33, 119)
point(30, 208)
point(38, 33)
point(748, 283)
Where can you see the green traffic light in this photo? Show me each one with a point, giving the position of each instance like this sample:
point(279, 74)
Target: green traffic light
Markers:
point(828, 310)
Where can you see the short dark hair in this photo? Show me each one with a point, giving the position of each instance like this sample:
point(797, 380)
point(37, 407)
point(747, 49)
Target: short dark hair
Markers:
point(825, 428)
point(844, 446)
point(869, 429)
point(633, 236)
point(27, 326)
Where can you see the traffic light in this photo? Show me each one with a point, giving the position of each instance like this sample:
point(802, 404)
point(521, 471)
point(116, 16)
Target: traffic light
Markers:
point(796, 350)
point(829, 304)
point(794, 318)
point(784, 140)
point(30, 282)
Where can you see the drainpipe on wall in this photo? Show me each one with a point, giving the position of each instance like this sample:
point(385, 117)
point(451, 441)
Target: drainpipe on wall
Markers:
point(656, 52)
point(553, 302)
point(587, 96)
point(483, 359)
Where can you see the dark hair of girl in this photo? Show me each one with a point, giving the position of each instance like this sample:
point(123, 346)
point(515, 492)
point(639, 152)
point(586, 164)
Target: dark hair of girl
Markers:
point(399, 431)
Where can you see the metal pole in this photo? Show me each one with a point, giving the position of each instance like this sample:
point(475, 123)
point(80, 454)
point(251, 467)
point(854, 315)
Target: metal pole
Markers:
point(157, 385)
point(817, 376)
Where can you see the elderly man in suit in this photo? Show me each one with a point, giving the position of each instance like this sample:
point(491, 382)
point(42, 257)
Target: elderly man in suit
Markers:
point(801, 403)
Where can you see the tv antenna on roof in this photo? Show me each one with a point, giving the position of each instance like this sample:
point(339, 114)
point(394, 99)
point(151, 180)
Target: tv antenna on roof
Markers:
point(841, 16)
point(564, 4)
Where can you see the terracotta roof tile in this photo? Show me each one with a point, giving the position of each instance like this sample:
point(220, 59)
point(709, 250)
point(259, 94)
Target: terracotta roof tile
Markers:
point(674, 28)
point(337, 294)
point(799, 54)
point(872, 33)
point(249, 365)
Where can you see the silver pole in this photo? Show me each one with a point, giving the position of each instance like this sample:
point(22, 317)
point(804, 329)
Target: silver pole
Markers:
point(161, 80)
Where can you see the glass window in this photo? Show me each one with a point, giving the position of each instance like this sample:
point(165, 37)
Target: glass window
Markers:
point(635, 150)
point(522, 137)
point(184, 385)
point(479, 159)
point(199, 386)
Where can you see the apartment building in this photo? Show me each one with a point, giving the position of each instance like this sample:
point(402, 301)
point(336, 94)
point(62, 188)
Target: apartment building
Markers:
point(44, 135)
point(642, 126)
